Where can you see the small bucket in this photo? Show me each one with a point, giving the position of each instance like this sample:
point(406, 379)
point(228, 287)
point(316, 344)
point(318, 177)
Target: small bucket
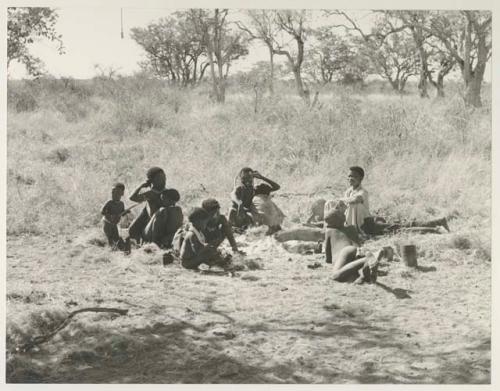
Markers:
point(409, 254)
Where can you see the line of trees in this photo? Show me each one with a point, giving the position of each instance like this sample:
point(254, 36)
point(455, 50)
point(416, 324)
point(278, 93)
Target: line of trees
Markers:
point(189, 45)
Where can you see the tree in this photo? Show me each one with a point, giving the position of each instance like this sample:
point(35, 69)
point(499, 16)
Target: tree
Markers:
point(432, 55)
point(336, 58)
point(395, 59)
point(263, 28)
point(466, 35)
point(174, 49)
point(293, 24)
point(223, 46)
point(24, 26)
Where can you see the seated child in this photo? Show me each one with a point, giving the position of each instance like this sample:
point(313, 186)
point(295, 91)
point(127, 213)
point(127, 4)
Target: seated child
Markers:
point(356, 199)
point(218, 228)
point(112, 212)
point(265, 211)
point(194, 249)
point(155, 183)
point(165, 221)
point(358, 212)
point(240, 214)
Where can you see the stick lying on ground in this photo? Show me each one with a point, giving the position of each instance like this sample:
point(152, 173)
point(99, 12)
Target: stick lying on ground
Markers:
point(44, 338)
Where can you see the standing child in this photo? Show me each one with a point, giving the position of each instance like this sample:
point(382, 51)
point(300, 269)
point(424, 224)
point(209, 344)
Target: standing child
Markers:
point(155, 184)
point(194, 249)
point(112, 212)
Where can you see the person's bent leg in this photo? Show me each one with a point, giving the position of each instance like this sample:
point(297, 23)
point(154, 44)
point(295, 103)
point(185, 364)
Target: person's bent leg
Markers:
point(346, 266)
point(137, 226)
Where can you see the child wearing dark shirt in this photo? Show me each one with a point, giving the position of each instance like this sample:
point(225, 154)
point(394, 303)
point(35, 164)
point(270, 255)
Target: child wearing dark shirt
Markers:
point(156, 181)
point(194, 249)
point(112, 212)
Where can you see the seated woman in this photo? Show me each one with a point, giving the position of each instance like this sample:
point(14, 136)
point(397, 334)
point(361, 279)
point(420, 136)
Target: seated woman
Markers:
point(342, 250)
point(194, 249)
point(265, 211)
point(165, 221)
point(240, 214)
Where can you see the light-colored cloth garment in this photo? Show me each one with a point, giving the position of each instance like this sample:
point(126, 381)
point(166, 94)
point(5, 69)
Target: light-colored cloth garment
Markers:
point(198, 234)
point(266, 212)
point(358, 207)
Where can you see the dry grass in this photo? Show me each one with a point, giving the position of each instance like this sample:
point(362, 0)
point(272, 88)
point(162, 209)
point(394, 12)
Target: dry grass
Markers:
point(278, 321)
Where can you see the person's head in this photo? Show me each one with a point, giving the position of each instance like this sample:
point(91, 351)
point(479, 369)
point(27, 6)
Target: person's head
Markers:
point(335, 218)
point(156, 176)
point(199, 217)
point(356, 175)
point(212, 206)
point(246, 176)
point(263, 188)
point(169, 197)
point(117, 191)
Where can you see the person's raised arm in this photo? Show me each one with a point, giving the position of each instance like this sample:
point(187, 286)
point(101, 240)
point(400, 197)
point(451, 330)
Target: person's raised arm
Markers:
point(274, 185)
point(137, 196)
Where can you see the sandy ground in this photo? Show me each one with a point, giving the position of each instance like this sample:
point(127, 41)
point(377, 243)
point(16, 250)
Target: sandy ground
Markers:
point(280, 323)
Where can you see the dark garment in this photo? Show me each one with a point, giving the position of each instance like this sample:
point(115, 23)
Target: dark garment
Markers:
point(162, 226)
point(137, 226)
point(219, 229)
point(113, 207)
point(245, 194)
point(114, 239)
point(193, 253)
point(110, 229)
point(378, 226)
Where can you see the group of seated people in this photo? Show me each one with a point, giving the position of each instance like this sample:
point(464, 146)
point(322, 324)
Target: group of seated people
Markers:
point(341, 224)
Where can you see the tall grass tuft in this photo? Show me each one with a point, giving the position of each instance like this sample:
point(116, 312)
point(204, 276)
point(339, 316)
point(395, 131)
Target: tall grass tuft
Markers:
point(423, 158)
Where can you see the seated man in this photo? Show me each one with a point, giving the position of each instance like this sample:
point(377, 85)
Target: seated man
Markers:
point(194, 249)
point(165, 221)
point(265, 211)
point(218, 228)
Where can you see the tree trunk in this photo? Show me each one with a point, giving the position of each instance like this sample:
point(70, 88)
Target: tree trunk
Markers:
point(298, 82)
point(422, 84)
point(271, 69)
point(473, 91)
point(440, 86)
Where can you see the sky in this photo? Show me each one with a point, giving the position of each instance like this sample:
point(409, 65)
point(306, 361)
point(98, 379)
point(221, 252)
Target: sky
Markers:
point(91, 36)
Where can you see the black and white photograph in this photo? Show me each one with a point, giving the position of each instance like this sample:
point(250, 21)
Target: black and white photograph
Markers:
point(225, 192)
